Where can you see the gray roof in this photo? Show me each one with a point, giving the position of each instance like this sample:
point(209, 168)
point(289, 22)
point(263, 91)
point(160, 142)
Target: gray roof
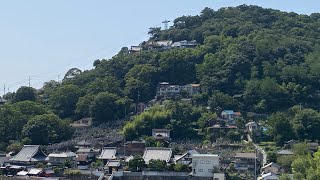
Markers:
point(108, 153)
point(29, 153)
point(272, 164)
point(285, 152)
point(157, 153)
point(63, 155)
point(246, 155)
point(87, 150)
point(113, 163)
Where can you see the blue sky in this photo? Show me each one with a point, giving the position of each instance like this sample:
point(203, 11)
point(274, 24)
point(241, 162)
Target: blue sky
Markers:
point(43, 39)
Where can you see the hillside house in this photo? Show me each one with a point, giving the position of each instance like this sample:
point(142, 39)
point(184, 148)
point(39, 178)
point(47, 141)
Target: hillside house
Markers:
point(284, 152)
point(185, 158)
point(271, 167)
point(157, 153)
point(161, 134)
point(204, 165)
point(229, 116)
point(29, 155)
point(185, 44)
point(135, 49)
point(269, 176)
point(246, 161)
point(82, 123)
point(57, 159)
point(164, 89)
point(85, 156)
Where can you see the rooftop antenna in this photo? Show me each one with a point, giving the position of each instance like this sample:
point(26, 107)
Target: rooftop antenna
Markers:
point(165, 22)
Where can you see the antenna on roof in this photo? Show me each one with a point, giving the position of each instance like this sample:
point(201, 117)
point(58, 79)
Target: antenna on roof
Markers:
point(165, 22)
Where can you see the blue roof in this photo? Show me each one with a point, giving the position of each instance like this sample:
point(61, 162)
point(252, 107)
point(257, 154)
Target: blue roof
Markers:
point(228, 111)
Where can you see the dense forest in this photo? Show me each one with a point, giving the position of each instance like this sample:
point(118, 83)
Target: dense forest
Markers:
point(268, 58)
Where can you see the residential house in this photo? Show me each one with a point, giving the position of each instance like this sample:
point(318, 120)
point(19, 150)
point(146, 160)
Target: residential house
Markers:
point(82, 123)
point(205, 165)
point(157, 153)
point(160, 45)
point(164, 89)
point(35, 172)
point(229, 116)
point(191, 89)
point(135, 49)
point(108, 153)
point(161, 134)
point(285, 152)
point(246, 161)
point(85, 156)
point(269, 176)
point(29, 155)
point(271, 167)
point(219, 130)
point(113, 165)
point(57, 159)
point(185, 158)
point(185, 44)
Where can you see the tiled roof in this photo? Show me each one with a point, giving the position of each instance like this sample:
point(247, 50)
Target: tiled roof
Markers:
point(285, 152)
point(87, 150)
point(246, 155)
point(63, 155)
point(108, 153)
point(34, 171)
point(271, 164)
point(113, 163)
point(82, 157)
point(29, 153)
point(157, 153)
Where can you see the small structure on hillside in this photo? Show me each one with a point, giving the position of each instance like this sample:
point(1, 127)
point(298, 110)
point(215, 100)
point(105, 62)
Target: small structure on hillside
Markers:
point(82, 123)
point(185, 158)
point(271, 167)
point(161, 134)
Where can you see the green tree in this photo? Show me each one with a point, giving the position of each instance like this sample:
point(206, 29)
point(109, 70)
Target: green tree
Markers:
point(137, 164)
point(104, 107)
point(47, 128)
point(64, 100)
point(157, 165)
point(25, 94)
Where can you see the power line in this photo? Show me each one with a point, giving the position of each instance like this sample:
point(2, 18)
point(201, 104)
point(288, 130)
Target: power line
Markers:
point(18, 83)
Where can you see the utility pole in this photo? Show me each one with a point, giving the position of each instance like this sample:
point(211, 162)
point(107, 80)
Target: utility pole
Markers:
point(165, 22)
point(255, 164)
point(29, 81)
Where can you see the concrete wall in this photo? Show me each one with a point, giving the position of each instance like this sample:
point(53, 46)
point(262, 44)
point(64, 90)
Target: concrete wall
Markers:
point(152, 175)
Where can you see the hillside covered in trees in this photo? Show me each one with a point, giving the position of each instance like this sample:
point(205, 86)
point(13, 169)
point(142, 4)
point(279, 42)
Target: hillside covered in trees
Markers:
point(268, 58)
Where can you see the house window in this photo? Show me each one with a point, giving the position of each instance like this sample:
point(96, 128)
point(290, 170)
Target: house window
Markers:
point(202, 162)
point(208, 162)
point(210, 170)
point(200, 170)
